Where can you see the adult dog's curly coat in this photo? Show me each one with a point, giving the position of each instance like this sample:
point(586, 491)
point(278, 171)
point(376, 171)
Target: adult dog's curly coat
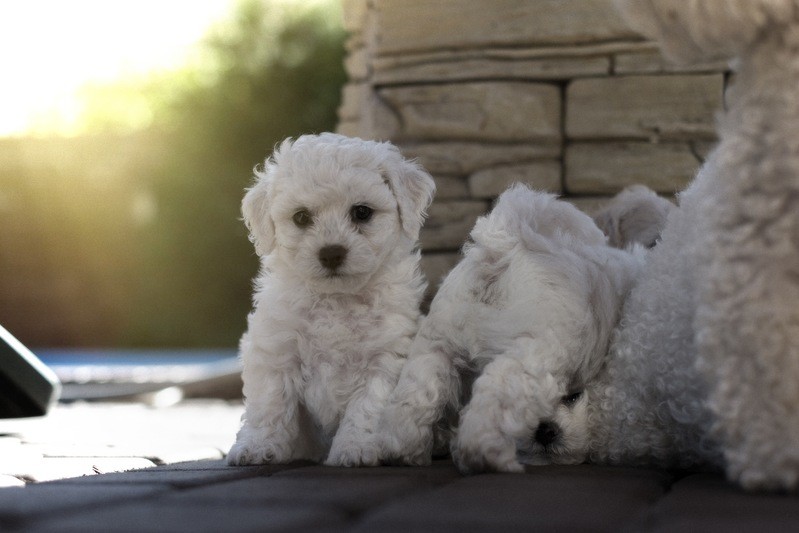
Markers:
point(335, 221)
point(705, 368)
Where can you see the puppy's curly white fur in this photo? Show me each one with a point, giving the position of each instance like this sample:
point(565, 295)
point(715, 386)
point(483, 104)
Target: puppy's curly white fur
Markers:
point(335, 221)
point(529, 311)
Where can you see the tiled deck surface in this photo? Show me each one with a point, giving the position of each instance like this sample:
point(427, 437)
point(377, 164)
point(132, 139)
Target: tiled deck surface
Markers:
point(68, 472)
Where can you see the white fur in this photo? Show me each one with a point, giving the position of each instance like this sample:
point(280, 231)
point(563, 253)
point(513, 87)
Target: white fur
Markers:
point(529, 311)
point(324, 348)
point(701, 30)
point(635, 215)
point(704, 369)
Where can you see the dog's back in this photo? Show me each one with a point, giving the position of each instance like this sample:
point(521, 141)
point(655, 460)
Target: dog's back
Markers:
point(537, 220)
point(538, 265)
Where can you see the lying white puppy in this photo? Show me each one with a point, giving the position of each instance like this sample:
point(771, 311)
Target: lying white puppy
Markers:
point(529, 311)
point(335, 221)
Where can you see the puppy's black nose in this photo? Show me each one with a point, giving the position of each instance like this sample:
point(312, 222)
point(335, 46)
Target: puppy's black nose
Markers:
point(547, 433)
point(332, 256)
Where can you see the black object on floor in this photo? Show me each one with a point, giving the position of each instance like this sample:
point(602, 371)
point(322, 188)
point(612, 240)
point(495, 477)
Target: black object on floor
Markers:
point(27, 387)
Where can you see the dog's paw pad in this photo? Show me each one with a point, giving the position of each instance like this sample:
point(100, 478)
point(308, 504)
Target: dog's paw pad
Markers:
point(472, 460)
point(353, 455)
point(241, 454)
point(411, 447)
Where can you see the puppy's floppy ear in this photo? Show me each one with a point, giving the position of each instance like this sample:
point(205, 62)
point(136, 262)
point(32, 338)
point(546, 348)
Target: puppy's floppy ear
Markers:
point(255, 208)
point(412, 187)
point(609, 224)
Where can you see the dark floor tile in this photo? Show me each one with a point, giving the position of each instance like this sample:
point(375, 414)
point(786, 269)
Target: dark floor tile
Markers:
point(172, 478)
point(353, 494)
point(580, 498)
point(197, 517)
point(708, 503)
point(438, 472)
point(19, 505)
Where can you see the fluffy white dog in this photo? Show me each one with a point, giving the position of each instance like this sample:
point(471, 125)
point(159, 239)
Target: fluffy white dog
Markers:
point(635, 215)
point(529, 311)
point(704, 369)
point(335, 221)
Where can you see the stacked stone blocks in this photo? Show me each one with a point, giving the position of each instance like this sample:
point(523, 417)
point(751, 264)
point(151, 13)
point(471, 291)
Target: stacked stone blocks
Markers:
point(558, 94)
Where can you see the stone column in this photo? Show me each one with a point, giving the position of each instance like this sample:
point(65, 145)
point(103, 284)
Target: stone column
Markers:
point(558, 94)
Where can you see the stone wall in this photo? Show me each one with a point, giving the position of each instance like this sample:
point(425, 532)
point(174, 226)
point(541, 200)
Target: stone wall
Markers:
point(554, 93)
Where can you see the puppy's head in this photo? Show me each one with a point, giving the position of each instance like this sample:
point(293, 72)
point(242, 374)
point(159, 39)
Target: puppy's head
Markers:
point(331, 210)
point(561, 438)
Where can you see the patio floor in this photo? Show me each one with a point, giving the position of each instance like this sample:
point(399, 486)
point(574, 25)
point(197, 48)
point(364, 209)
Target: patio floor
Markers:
point(129, 467)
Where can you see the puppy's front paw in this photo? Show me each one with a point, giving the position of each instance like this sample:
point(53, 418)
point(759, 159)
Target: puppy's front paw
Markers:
point(352, 452)
point(403, 440)
point(411, 449)
point(494, 457)
point(249, 453)
point(480, 446)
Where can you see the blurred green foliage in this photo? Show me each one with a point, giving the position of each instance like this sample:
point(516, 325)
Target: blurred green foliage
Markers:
point(130, 235)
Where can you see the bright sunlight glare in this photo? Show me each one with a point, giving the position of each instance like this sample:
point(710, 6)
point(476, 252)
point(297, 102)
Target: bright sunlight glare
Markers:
point(51, 48)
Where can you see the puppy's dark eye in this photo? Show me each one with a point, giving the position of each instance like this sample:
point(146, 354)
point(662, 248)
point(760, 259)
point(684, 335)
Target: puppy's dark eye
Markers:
point(361, 213)
point(302, 218)
point(571, 399)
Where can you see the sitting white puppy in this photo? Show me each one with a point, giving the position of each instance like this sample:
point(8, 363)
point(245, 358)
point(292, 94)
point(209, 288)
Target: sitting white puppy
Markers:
point(529, 311)
point(335, 221)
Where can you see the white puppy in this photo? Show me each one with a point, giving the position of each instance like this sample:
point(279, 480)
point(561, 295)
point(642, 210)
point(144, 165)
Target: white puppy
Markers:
point(529, 311)
point(335, 221)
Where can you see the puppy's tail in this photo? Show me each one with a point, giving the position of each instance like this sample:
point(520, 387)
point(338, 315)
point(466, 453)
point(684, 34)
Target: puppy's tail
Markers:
point(702, 30)
point(538, 219)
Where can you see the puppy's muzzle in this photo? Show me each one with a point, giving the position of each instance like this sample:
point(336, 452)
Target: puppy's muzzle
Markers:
point(331, 257)
point(547, 433)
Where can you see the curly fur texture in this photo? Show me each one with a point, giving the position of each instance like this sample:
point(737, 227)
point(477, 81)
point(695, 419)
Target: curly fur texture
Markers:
point(636, 215)
point(699, 30)
point(649, 403)
point(704, 368)
point(528, 311)
point(337, 298)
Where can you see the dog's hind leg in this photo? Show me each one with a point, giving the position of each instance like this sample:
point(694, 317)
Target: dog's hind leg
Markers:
point(747, 319)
